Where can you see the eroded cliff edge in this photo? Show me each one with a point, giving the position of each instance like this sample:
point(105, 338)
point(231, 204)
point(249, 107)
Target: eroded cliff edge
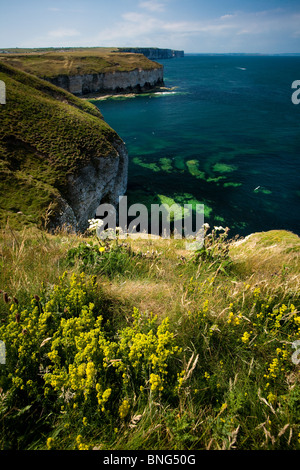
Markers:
point(101, 181)
point(111, 82)
point(154, 53)
point(58, 158)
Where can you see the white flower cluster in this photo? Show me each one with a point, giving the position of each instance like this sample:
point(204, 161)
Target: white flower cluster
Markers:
point(112, 233)
point(217, 229)
point(94, 224)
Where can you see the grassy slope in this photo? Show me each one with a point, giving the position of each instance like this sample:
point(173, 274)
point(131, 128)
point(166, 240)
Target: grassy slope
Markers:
point(45, 134)
point(228, 398)
point(77, 62)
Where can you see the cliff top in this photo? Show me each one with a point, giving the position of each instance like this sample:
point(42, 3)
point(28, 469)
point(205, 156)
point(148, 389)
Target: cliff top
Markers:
point(143, 336)
point(154, 52)
point(51, 63)
point(45, 134)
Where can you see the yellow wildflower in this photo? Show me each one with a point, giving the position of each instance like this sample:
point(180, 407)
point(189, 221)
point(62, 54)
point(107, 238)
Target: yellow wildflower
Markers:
point(156, 382)
point(246, 337)
point(49, 444)
point(230, 317)
point(271, 397)
point(80, 444)
point(124, 409)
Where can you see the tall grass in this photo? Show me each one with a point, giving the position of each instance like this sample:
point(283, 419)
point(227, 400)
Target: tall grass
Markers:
point(144, 345)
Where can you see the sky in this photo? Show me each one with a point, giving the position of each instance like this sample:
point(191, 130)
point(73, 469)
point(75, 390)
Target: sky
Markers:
point(203, 26)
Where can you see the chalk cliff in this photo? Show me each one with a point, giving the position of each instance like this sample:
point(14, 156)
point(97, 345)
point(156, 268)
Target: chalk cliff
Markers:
point(102, 181)
point(91, 70)
point(135, 80)
point(59, 159)
point(154, 53)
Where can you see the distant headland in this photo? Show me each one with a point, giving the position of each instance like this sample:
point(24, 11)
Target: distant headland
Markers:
point(153, 53)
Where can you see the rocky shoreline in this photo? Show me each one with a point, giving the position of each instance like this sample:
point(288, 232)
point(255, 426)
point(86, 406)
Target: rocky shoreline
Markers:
point(105, 96)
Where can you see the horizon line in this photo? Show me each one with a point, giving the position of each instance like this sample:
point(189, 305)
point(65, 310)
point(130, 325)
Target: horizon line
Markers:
point(149, 47)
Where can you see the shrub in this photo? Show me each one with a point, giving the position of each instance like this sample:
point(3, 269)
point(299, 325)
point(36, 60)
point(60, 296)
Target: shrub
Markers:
point(62, 357)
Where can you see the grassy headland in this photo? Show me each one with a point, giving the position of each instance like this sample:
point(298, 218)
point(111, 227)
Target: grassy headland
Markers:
point(50, 64)
point(144, 345)
point(46, 134)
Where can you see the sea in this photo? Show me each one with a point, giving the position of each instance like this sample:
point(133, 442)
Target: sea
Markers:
point(224, 133)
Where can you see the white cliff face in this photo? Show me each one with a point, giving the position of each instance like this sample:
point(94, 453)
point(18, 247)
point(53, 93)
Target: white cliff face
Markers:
point(137, 79)
point(153, 53)
point(101, 181)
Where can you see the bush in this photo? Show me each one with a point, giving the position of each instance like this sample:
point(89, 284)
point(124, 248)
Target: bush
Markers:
point(64, 362)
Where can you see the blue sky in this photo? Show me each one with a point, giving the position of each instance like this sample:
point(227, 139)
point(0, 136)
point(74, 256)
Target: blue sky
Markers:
point(264, 26)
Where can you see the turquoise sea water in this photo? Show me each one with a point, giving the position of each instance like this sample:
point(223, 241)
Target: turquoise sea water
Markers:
point(227, 135)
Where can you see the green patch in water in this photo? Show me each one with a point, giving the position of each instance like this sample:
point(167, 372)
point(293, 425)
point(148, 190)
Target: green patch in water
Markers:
point(217, 179)
point(193, 167)
point(231, 184)
point(166, 164)
point(262, 190)
point(223, 168)
point(177, 212)
point(187, 198)
point(219, 219)
point(149, 166)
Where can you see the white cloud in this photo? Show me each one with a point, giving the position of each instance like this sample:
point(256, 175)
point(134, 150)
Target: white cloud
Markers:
point(226, 17)
point(65, 10)
point(134, 17)
point(239, 31)
point(196, 27)
point(153, 6)
point(241, 23)
point(63, 33)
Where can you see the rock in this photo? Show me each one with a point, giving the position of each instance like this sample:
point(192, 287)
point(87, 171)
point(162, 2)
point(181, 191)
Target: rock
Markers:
point(154, 53)
point(94, 184)
point(135, 80)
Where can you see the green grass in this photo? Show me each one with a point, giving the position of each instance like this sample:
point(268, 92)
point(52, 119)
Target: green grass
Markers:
point(46, 134)
point(80, 61)
point(140, 344)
